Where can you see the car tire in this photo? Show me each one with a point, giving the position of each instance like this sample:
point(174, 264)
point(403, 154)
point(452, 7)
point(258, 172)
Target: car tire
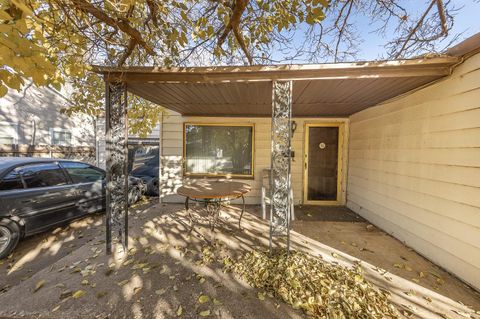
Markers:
point(152, 187)
point(10, 230)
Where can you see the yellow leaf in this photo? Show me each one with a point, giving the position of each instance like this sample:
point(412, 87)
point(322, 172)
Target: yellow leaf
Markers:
point(4, 15)
point(22, 6)
point(78, 294)
point(3, 90)
point(203, 299)
point(39, 285)
point(205, 313)
point(179, 311)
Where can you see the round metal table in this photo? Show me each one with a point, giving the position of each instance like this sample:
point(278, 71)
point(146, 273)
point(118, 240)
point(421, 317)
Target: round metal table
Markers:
point(213, 193)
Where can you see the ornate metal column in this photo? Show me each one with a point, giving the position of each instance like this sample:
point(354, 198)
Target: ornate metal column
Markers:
point(116, 163)
point(280, 179)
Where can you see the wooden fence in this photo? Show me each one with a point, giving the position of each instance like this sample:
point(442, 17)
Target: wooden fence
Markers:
point(81, 153)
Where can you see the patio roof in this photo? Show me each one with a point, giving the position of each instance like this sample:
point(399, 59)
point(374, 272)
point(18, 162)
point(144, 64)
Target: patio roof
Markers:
point(335, 89)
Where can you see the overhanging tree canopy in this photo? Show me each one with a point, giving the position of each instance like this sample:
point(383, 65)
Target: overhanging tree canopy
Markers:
point(56, 41)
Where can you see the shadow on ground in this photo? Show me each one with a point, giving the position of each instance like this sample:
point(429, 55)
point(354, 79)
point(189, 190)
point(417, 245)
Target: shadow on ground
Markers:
point(167, 270)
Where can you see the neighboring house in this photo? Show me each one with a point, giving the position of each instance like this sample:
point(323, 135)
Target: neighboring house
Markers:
point(31, 124)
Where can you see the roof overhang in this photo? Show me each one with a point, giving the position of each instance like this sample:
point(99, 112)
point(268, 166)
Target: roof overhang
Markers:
point(335, 89)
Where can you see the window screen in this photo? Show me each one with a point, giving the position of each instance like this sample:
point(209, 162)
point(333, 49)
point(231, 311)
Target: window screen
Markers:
point(43, 175)
point(11, 181)
point(61, 138)
point(82, 173)
point(8, 133)
point(219, 149)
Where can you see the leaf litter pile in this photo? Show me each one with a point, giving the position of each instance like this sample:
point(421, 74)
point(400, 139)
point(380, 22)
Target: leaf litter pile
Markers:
point(319, 288)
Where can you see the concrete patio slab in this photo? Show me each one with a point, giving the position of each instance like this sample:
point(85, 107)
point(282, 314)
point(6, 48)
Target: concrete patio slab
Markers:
point(166, 271)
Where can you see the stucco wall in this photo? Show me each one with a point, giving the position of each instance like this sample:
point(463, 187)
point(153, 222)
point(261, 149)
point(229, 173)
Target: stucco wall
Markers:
point(172, 152)
point(414, 170)
point(37, 110)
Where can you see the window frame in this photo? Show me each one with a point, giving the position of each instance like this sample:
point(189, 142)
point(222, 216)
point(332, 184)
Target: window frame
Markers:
point(25, 185)
point(6, 173)
point(213, 175)
point(60, 130)
point(15, 126)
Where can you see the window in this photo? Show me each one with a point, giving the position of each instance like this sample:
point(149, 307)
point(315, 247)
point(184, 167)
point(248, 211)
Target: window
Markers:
point(8, 133)
point(43, 175)
point(11, 181)
point(82, 173)
point(60, 137)
point(212, 149)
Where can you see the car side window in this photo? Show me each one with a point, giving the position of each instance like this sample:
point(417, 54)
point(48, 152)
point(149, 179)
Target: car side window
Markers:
point(43, 175)
point(11, 181)
point(82, 173)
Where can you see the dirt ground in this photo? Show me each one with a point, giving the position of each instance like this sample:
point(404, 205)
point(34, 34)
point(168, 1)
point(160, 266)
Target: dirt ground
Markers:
point(66, 274)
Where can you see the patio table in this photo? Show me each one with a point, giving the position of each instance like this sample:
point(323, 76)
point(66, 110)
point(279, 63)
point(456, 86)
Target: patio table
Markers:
point(213, 193)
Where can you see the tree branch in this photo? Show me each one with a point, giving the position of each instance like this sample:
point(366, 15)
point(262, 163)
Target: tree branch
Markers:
point(119, 24)
point(443, 18)
point(152, 6)
point(414, 30)
point(241, 41)
point(234, 25)
point(342, 29)
point(131, 45)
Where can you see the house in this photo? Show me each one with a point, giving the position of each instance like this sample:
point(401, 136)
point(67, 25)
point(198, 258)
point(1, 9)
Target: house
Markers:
point(31, 124)
point(398, 142)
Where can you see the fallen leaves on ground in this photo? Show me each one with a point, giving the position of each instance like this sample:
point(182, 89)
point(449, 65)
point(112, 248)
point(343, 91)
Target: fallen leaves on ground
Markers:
point(179, 311)
point(203, 299)
point(205, 313)
point(321, 289)
point(78, 294)
point(39, 285)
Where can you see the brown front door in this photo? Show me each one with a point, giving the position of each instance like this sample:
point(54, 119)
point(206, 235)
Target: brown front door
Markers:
point(321, 164)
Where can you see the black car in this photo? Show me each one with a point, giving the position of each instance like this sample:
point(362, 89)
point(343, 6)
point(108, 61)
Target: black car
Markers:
point(148, 172)
point(37, 194)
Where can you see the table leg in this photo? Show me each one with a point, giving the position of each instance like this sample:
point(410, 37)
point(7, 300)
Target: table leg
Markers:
point(241, 214)
point(190, 216)
point(213, 211)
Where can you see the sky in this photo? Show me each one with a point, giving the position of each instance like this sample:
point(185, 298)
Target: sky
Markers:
point(467, 22)
point(372, 47)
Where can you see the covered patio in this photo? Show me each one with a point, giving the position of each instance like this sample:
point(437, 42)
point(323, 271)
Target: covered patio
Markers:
point(287, 96)
point(388, 164)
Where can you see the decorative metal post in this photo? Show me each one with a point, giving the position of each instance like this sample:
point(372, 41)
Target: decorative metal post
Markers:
point(280, 179)
point(116, 154)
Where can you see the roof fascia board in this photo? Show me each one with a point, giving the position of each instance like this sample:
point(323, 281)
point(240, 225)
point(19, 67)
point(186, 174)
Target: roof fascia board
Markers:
point(439, 66)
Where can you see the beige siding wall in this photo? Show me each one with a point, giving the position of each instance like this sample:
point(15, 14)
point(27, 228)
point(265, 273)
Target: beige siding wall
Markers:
point(414, 170)
point(172, 151)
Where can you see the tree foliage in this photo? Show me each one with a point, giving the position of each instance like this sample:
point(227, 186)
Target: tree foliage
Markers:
point(56, 42)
